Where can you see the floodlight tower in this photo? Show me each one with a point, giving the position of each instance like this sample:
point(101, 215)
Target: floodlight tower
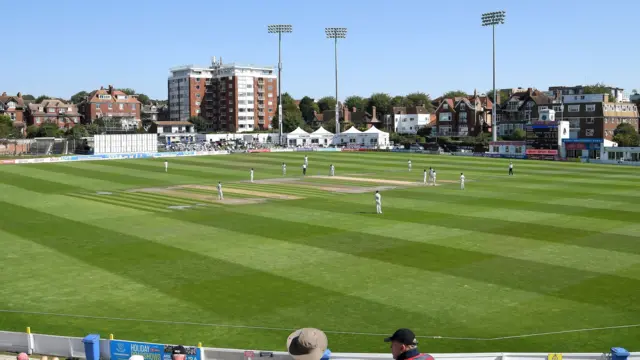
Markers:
point(336, 33)
point(492, 19)
point(280, 29)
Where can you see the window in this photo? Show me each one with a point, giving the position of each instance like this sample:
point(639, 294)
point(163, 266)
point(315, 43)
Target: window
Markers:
point(198, 95)
point(270, 110)
point(589, 132)
point(527, 115)
point(270, 87)
point(230, 86)
point(541, 108)
point(121, 106)
point(197, 87)
point(198, 103)
point(574, 108)
point(270, 95)
point(270, 103)
point(51, 110)
point(133, 107)
point(589, 121)
point(463, 117)
point(463, 107)
point(249, 86)
point(97, 106)
point(590, 107)
point(110, 106)
point(445, 106)
point(557, 108)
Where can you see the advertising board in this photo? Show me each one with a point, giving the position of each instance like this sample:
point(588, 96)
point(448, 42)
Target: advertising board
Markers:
point(541, 152)
point(123, 350)
point(259, 150)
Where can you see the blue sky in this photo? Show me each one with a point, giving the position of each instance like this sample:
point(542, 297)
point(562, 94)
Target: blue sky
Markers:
point(393, 47)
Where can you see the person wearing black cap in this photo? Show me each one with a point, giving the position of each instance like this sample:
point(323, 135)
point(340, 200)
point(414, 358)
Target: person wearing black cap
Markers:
point(404, 346)
point(178, 352)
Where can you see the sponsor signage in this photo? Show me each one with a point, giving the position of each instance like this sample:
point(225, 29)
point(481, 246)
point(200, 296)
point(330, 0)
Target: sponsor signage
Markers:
point(575, 146)
point(304, 149)
point(328, 149)
point(123, 350)
point(586, 141)
point(541, 152)
point(259, 150)
point(6, 162)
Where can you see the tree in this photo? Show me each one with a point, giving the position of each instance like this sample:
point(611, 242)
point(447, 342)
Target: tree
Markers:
point(77, 132)
point(327, 103)
point(307, 107)
point(292, 117)
point(144, 99)
point(78, 97)
point(6, 126)
point(41, 98)
point(355, 101)
point(626, 135)
point(128, 91)
point(382, 102)
point(399, 101)
point(503, 94)
point(419, 99)
point(599, 88)
point(28, 97)
point(454, 93)
point(518, 134)
point(199, 122)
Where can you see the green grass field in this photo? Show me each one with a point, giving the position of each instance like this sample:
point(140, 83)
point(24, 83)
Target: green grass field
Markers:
point(555, 247)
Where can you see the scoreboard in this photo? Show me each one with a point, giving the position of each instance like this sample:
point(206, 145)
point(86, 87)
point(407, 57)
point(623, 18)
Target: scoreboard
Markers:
point(542, 137)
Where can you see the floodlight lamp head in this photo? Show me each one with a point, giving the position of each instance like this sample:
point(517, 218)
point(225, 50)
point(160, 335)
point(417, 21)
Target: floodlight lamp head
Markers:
point(278, 29)
point(493, 18)
point(336, 32)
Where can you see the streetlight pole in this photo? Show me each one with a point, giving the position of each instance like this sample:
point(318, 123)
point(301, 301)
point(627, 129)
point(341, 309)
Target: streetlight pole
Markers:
point(336, 33)
point(492, 19)
point(280, 29)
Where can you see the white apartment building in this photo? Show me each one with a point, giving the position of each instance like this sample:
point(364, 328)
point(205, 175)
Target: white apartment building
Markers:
point(409, 121)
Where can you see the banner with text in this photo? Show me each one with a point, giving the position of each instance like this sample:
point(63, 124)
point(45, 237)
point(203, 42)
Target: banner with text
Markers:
point(123, 350)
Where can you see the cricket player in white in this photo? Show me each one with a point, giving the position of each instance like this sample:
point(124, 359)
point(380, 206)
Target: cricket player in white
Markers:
point(424, 176)
point(251, 174)
point(409, 165)
point(511, 168)
point(332, 170)
point(433, 177)
point(430, 176)
point(166, 166)
point(284, 169)
point(378, 202)
point(461, 181)
point(220, 195)
point(306, 161)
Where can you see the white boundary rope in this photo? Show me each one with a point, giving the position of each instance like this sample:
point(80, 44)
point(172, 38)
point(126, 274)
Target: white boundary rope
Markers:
point(326, 331)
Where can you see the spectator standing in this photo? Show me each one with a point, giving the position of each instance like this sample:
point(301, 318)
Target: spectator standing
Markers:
point(178, 352)
point(404, 346)
point(308, 344)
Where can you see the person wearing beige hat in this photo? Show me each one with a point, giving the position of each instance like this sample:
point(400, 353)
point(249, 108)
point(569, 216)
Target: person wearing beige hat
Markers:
point(308, 344)
point(136, 357)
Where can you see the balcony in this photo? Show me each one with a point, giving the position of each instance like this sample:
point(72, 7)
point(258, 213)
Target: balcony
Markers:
point(261, 98)
point(261, 113)
point(260, 122)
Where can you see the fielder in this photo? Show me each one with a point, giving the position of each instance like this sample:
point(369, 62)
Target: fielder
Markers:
point(433, 176)
point(306, 161)
point(332, 170)
point(510, 167)
point(220, 195)
point(166, 166)
point(424, 176)
point(284, 169)
point(461, 181)
point(304, 169)
point(430, 179)
point(378, 202)
point(251, 174)
point(409, 165)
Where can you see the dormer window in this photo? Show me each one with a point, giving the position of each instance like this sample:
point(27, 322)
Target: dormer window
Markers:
point(445, 106)
point(11, 105)
point(51, 110)
point(40, 108)
point(463, 107)
point(104, 97)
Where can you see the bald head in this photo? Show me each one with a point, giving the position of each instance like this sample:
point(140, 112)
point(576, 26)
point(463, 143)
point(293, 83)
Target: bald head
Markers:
point(22, 356)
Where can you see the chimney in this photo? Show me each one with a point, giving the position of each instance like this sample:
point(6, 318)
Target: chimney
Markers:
point(110, 88)
point(373, 110)
point(353, 109)
point(529, 91)
point(19, 95)
point(4, 93)
point(101, 87)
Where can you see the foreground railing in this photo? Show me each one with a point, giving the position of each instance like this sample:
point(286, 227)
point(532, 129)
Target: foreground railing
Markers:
point(93, 348)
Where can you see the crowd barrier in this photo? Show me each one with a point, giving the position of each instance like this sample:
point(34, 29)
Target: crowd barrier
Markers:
point(112, 349)
point(111, 157)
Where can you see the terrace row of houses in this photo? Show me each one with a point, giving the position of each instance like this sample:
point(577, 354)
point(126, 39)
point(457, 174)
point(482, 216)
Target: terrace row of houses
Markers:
point(103, 103)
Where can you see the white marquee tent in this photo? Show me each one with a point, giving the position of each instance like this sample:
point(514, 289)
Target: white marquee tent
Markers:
point(350, 136)
point(375, 137)
point(298, 137)
point(321, 137)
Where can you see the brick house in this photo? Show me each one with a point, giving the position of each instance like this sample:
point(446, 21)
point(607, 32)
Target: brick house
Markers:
point(111, 103)
point(522, 108)
point(53, 111)
point(14, 107)
point(464, 115)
